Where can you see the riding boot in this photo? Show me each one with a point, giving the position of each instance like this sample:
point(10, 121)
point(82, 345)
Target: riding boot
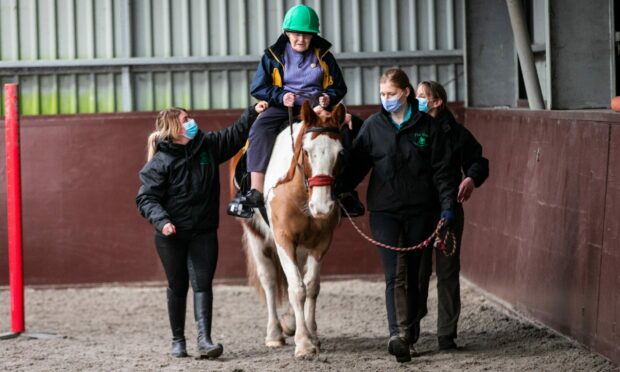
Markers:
point(253, 199)
point(399, 347)
point(203, 311)
point(176, 314)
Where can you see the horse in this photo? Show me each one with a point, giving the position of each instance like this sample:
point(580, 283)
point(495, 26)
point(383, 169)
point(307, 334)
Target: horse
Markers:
point(284, 256)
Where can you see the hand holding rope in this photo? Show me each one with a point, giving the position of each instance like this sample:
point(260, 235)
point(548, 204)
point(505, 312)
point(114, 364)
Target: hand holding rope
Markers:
point(449, 239)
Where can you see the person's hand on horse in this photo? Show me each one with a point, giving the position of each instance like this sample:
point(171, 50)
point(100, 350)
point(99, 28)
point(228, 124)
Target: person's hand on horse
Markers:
point(168, 229)
point(261, 106)
point(324, 100)
point(348, 121)
point(465, 189)
point(289, 99)
point(318, 110)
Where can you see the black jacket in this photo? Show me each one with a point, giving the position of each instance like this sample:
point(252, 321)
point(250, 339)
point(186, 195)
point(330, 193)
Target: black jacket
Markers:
point(268, 84)
point(466, 152)
point(181, 184)
point(410, 165)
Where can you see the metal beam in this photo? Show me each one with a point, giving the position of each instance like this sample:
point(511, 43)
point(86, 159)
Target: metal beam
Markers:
point(526, 57)
point(218, 62)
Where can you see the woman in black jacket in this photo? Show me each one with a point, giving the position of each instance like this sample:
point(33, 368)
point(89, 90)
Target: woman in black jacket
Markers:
point(410, 184)
point(180, 195)
point(466, 157)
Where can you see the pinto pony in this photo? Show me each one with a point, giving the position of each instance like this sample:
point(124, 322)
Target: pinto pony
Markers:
point(302, 217)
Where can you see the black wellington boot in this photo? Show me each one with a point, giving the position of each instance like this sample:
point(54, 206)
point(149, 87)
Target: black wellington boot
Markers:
point(176, 313)
point(399, 347)
point(203, 311)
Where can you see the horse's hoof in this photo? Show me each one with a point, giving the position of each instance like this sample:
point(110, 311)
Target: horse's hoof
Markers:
point(275, 343)
point(305, 355)
point(306, 351)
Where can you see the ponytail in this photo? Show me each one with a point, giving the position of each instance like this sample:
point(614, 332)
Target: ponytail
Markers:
point(167, 127)
point(151, 145)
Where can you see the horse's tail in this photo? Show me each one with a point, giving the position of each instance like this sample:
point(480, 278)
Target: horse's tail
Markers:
point(270, 254)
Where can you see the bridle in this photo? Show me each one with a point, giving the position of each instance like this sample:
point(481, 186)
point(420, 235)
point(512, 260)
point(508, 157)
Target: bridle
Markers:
point(309, 181)
point(319, 179)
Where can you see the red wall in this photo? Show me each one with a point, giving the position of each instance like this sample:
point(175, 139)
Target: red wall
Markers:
point(81, 225)
point(542, 233)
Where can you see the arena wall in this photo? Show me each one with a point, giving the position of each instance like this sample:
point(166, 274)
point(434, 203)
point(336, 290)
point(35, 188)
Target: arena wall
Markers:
point(543, 232)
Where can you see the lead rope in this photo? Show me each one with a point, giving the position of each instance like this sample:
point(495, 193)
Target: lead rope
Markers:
point(439, 242)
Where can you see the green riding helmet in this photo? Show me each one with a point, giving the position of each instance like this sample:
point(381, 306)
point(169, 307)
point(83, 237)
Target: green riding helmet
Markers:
point(301, 18)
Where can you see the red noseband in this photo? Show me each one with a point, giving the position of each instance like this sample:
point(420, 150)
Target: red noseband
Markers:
point(320, 180)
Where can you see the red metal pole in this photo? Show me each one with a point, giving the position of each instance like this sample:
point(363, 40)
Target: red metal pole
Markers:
point(14, 207)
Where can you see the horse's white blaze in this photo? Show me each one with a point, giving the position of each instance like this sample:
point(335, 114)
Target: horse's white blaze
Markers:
point(322, 154)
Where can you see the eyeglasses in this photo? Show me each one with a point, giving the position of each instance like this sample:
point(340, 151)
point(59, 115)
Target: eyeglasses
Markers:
point(299, 35)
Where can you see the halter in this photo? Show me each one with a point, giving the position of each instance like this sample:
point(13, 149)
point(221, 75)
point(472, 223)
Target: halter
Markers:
point(309, 182)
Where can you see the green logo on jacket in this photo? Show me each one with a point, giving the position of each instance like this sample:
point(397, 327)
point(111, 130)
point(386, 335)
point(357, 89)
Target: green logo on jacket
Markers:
point(419, 139)
point(204, 158)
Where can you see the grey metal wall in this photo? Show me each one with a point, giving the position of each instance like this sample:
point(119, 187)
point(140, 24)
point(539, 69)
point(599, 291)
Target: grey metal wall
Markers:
point(73, 56)
point(574, 47)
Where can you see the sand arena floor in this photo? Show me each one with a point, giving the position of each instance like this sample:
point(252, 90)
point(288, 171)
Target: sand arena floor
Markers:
point(124, 328)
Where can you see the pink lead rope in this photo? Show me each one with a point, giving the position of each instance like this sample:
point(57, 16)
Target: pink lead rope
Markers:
point(439, 243)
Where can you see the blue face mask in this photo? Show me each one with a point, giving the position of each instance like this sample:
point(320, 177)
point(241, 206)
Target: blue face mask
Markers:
point(191, 129)
point(391, 105)
point(422, 104)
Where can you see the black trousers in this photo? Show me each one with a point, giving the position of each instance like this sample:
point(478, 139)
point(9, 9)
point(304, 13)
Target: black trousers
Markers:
point(188, 256)
point(447, 269)
point(401, 269)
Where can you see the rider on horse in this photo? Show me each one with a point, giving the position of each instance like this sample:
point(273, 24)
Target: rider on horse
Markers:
point(311, 73)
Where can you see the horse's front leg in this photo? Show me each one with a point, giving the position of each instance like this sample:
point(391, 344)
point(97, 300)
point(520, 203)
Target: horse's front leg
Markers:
point(266, 270)
point(297, 296)
point(313, 286)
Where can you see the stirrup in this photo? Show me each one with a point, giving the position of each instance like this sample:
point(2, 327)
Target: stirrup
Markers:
point(237, 209)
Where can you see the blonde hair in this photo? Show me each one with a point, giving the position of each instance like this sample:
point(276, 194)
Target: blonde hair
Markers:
point(167, 127)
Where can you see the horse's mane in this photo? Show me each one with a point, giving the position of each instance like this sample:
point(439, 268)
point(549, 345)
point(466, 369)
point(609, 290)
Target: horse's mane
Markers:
point(298, 145)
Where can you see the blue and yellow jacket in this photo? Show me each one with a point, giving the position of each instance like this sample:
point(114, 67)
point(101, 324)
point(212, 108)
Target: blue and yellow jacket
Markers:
point(267, 84)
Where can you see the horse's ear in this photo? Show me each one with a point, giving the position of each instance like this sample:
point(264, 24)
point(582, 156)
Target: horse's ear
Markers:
point(338, 114)
point(308, 115)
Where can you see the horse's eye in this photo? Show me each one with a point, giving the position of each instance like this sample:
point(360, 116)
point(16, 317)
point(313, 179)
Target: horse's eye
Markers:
point(341, 153)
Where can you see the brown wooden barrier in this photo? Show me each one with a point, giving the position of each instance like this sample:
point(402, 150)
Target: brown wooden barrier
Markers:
point(543, 232)
point(81, 225)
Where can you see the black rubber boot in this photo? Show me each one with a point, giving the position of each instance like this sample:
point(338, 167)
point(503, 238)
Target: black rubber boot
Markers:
point(176, 314)
point(399, 347)
point(203, 311)
point(446, 343)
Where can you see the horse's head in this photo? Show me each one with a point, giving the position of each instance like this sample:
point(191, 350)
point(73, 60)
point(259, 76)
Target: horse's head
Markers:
point(322, 149)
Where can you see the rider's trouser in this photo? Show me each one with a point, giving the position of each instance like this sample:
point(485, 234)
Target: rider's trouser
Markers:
point(263, 135)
